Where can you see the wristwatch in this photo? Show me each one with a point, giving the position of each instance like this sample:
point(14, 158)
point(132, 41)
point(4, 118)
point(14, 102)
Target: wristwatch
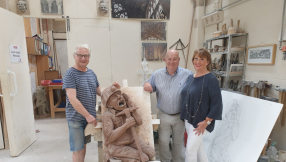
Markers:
point(207, 121)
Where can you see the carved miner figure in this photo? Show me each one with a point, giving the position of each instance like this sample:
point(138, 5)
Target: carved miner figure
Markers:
point(121, 141)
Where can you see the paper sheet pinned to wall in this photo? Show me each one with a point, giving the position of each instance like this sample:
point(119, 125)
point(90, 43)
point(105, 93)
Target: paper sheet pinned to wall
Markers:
point(15, 54)
point(33, 82)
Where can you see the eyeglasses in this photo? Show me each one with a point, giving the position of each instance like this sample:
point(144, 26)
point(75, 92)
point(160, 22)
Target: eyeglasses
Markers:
point(81, 56)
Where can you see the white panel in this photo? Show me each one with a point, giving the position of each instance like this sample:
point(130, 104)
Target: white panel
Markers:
point(244, 129)
point(62, 55)
point(34, 29)
point(60, 36)
point(18, 109)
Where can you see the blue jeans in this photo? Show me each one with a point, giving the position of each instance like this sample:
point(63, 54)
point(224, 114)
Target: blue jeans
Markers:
point(76, 135)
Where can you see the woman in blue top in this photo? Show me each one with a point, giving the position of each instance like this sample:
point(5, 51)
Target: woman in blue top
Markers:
point(201, 105)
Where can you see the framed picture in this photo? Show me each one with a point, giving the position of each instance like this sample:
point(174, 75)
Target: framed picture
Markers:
point(153, 31)
point(236, 69)
point(154, 51)
point(261, 55)
point(52, 7)
point(140, 9)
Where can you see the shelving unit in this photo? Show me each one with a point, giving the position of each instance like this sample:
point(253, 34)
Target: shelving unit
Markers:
point(227, 41)
point(216, 53)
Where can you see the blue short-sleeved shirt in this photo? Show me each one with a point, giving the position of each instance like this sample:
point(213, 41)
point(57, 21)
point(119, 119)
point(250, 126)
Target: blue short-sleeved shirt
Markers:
point(211, 102)
point(168, 88)
point(85, 84)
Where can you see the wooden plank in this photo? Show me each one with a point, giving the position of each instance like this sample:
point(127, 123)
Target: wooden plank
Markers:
point(42, 66)
point(31, 49)
point(52, 103)
point(56, 86)
point(60, 109)
point(51, 75)
point(100, 151)
point(27, 26)
point(57, 105)
point(38, 26)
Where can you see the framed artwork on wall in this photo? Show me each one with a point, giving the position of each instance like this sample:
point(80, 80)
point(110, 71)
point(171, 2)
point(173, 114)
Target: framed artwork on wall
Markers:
point(52, 7)
point(141, 9)
point(153, 31)
point(154, 51)
point(261, 55)
point(236, 69)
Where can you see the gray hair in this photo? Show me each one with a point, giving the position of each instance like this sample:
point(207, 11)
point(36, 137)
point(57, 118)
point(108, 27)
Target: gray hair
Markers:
point(85, 46)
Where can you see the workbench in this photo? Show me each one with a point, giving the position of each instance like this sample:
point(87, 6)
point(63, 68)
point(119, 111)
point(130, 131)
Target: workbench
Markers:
point(54, 108)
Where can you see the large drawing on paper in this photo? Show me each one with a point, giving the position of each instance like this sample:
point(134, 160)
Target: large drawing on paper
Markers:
point(227, 132)
point(245, 126)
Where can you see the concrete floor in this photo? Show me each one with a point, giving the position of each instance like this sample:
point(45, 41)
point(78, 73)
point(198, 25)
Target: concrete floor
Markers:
point(52, 144)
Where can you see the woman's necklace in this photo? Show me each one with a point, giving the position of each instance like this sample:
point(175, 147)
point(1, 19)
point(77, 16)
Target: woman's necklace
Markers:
point(200, 98)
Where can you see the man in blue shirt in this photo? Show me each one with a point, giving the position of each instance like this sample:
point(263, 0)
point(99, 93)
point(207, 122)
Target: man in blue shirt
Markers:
point(82, 86)
point(168, 83)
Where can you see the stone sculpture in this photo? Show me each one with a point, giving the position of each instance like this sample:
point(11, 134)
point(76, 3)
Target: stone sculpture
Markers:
point(22, 5)
point(103, 7)
point(217, 4)
point(121, 141)
point(145, 72)
point(42, 103)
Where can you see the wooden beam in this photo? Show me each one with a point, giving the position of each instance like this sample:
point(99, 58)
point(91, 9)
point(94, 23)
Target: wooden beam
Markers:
point(51, 102)
point(27, 26)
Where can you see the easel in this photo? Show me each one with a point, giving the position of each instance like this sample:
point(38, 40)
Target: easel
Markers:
point(182, 49)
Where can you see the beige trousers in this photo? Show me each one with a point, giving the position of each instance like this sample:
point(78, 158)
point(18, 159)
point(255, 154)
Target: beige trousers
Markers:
point(170, 124)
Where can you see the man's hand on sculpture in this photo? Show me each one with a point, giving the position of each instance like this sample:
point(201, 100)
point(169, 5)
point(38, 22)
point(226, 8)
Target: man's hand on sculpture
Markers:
point(130, 122)
point(116, 85)
point(148, 87)
point(91, 120)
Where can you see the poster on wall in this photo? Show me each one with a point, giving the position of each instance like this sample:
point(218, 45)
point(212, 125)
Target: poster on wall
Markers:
point(245, 127)
point(153, 31)
point(15, 54)
point(141, 9)
point(154, 51)
point(261, 55)
point(52, 7)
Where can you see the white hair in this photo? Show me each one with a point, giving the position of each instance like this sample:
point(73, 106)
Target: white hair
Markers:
point(85, 46)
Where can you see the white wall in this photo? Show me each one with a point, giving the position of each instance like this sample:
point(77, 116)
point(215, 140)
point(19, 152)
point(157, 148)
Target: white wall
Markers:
point(115, 44)
point(262, 20)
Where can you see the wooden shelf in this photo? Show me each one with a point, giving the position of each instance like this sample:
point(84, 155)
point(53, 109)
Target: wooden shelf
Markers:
point(230, 75)
point(42, 66)
point(226, 52)
point(227, 36)
point(34, 46)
